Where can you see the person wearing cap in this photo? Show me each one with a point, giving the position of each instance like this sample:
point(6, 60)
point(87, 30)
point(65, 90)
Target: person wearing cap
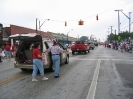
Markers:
point(8, 52)
point(55, 51)
point(37, 62)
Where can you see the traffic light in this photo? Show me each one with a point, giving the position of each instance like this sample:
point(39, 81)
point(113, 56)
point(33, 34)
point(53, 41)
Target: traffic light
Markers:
point(97, 17)
point(80, 22)
point(1, 29)
point(65, 23)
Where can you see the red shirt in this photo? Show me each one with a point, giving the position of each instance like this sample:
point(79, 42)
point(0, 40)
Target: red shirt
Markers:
point(13, 48)
point(7, 48)
point(36, 51)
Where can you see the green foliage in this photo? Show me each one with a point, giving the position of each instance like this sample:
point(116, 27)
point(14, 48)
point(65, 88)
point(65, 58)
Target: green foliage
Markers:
point(123, 36)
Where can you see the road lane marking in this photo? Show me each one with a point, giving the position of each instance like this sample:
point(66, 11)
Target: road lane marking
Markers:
point(2, 82)
point(92, 90)
point(103, 59)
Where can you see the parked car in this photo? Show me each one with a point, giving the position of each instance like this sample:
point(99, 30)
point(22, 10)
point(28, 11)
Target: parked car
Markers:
point(80, 46)
point(23, 57)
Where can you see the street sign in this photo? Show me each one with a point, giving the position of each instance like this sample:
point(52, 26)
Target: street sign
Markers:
point(119, 37)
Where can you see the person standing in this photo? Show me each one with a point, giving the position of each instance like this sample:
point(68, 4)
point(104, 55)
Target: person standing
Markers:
point(37, 63)
point(0, 54)
point(55, 51)
point(8, 52)
point(13, 49)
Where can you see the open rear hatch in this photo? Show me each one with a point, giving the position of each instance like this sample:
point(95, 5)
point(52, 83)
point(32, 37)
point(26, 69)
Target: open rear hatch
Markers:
point(26, 37)
point(24, 50)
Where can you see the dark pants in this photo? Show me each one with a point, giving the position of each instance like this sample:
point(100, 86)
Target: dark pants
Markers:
point(0, 59)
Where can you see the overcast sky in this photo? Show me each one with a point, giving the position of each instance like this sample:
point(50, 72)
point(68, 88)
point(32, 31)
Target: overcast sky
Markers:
point(24, 13)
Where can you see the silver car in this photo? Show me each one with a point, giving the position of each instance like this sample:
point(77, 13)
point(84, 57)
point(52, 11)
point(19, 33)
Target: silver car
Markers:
point(23, 57)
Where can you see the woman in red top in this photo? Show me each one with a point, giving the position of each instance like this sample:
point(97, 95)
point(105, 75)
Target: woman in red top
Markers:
point(8, 52)
point(37, 62)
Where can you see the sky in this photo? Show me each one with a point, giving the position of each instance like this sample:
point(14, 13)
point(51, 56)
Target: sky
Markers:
point(24, 13)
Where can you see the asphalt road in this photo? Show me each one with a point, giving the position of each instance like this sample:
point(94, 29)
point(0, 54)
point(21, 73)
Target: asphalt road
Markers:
point(101, 74)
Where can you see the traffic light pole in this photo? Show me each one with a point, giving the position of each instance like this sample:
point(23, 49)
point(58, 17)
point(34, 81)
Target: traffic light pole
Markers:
point(67, 36)
point(39, 24)
point(129, 20)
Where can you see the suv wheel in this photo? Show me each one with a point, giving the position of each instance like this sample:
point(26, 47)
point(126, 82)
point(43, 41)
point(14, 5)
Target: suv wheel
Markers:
point(67, 60)
point(85, 52)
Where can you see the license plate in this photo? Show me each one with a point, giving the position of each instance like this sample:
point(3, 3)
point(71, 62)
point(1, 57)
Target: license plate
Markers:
point(77, 49)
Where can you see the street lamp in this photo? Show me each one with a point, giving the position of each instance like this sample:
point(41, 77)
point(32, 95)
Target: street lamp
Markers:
point(67, 36)
point(129, 20)
point(39, 23)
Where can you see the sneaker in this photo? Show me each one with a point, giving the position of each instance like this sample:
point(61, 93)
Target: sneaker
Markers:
point(34, 79)
point(44, 78)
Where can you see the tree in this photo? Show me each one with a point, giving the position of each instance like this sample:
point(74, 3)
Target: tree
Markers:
point(124, 35)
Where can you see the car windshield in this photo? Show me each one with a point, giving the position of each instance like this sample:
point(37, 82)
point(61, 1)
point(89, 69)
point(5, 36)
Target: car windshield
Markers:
point(79, 42)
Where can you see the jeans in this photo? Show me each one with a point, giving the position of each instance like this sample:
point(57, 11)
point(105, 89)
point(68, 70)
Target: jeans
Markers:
point(37, 64)
point(56, 61)
point(8, 53)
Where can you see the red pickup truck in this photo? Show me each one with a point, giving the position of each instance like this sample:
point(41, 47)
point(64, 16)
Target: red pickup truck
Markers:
point(80, 46)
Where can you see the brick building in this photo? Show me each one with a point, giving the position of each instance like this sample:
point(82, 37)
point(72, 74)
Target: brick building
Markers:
point(13, 29)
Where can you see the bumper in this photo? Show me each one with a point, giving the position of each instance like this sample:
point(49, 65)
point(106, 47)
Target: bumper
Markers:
point(24, 66)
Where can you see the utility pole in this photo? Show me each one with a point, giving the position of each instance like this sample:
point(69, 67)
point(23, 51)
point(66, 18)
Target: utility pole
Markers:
point(115, 36)
point(118, 21)
point(111, 29)
point(36, 25)
point(130, 22)
point(111, 34)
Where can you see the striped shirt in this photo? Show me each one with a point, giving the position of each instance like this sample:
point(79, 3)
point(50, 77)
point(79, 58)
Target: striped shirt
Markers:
point(55, 50)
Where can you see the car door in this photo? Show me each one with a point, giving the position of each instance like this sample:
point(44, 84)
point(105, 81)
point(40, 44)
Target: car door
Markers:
point(62, 55)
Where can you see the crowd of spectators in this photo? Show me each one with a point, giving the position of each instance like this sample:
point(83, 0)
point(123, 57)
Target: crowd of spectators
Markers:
point(125, 46)
point(8, 51)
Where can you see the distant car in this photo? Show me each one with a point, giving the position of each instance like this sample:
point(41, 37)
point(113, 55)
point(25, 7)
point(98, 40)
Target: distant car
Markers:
point(92, 46)
point(96, 44)
point(80, 46)
point(23, 57)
